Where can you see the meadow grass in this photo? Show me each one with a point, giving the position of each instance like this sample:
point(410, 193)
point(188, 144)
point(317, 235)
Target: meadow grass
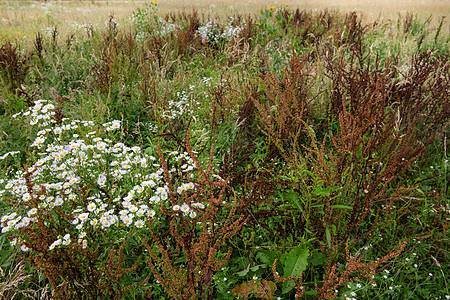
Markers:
point(238, 150)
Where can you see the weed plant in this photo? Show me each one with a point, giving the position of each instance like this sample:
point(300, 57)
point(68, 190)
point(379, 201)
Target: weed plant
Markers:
point(290, 154)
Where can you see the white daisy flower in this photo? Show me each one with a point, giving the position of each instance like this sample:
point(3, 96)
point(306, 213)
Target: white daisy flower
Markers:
point(91, 207)
point(139, 223)
point(185, 208)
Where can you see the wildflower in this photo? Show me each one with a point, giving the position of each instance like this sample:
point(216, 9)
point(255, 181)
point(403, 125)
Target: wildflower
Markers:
point(139, 223)
point(26, 197)
point(66, 240)
point(154, 176)
point(32, 211)
point(271, 8)
point(82, 217)
point(101, 180)
point(254, 277)
point(176, 207)
point(24, 248)
point(55, 243)
point(160, 190)
point(115, 124)
point(184, 208)
point(24, 223)
point(154, 2)
point(91, 207)
point(105, 223)
point(127, 220)
point(181, 189)
point(11, 223)
point(113, 220)
point(58, 202)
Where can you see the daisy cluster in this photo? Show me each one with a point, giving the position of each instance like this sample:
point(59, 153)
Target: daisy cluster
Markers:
point(165, 28)
point(126, 185)
point(212, 33)
point(141, 20)
point(180, 107)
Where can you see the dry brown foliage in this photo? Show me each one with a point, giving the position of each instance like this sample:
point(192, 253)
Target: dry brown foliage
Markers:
point(200, 241)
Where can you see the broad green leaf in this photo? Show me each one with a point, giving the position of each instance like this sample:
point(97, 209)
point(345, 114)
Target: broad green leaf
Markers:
point(319, 190)
point(256, 268)
point(243, 273)
point(266, 257)
point(292, 197)
point(317, 258)
point(296, 262)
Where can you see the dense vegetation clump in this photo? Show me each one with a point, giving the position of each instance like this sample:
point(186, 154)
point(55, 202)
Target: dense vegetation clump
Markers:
point(289, 154)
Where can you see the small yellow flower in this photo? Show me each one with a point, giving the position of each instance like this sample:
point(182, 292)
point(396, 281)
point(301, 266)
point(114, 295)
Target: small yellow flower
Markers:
point(272, 7)
point(154, 2)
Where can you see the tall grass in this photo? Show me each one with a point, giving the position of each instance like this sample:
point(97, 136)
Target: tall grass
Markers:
point(187, 155)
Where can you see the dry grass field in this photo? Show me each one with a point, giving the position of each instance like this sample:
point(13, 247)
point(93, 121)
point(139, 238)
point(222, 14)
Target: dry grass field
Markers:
point(21, 19)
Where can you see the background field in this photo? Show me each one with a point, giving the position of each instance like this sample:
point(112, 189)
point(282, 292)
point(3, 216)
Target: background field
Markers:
point(21, 19)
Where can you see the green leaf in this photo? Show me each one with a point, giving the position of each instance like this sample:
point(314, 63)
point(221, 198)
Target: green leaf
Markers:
point(341, 206)
point(292, 197)
point(319, 190)
point(317, 258)
point(312, 293)
point(296, 262)
point(328, 235)
point(309, 173)
point(243, 273)
point(266, 257)
point(256, 268)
